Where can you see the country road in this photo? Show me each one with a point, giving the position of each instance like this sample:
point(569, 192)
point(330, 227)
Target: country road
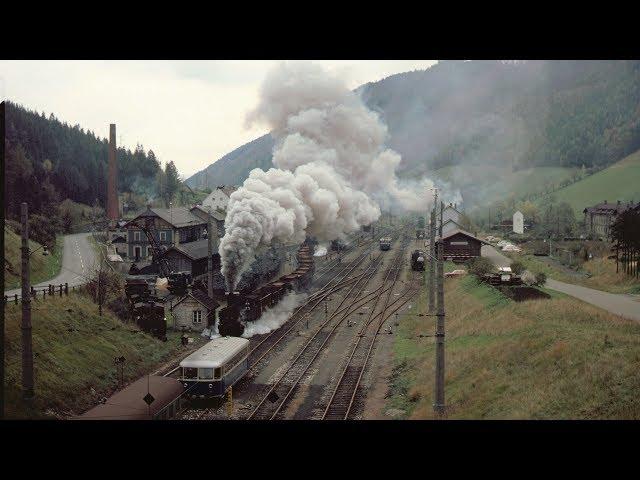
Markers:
point(78, 258)
point(626, 306)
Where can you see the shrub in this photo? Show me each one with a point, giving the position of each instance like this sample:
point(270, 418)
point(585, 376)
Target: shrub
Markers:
point(541, 278)
point(518, 268)
point(120, 307)
point(481, 266)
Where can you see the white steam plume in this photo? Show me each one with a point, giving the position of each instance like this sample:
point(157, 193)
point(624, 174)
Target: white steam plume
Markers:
point(275, 317)
point(331, 164)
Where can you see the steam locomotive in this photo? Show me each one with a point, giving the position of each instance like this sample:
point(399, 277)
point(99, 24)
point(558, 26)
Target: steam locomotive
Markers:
point(418, 260)
point(249, 307)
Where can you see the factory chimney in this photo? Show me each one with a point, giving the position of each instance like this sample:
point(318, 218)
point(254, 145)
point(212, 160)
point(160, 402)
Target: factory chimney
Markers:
point(112, 192)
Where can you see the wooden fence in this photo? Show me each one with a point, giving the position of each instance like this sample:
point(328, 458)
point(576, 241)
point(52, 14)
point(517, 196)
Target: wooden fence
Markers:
point(43, 292)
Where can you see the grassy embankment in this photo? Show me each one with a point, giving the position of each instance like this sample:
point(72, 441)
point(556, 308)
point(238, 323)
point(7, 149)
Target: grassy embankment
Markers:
point(42, 267)
point(74, 350)
point(541, 359)
point(602, 270)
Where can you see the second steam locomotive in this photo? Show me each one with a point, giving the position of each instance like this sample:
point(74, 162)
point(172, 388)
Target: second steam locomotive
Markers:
point(242, 308)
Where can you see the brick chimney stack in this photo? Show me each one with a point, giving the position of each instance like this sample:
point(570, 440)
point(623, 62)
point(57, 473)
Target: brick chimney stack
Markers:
point(112, 192)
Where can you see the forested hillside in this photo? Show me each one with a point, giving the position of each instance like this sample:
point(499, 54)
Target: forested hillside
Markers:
point(54, 166)
point(65, 161)
point(504, 115)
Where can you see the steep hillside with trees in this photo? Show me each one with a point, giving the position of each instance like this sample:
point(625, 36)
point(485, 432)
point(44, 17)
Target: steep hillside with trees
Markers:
point(61, 170)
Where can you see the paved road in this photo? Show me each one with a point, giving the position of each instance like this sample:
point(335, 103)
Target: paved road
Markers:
point(78, 259)
point(626, 306)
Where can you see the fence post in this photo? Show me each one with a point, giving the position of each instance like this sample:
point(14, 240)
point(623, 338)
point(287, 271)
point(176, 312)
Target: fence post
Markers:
point(16, 295)
point(61, 290)
point(66, 289)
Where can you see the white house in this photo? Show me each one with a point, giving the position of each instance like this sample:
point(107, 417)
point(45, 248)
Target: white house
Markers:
point(449, 226)
point(451, 213)
point(218, 199)
point(195, 311)
point(451, 219)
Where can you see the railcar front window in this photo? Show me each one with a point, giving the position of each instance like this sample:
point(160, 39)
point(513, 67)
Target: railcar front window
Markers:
point(190, 372)
point(218, 373)
point(206, 373)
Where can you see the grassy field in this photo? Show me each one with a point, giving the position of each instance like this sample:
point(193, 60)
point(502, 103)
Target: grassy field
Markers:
point(42, 267)
point(544, 359)
point(74, 350)
point(620, 181)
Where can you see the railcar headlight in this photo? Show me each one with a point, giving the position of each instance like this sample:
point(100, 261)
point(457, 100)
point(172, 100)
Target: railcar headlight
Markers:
point(210, 385)
point(185, 385)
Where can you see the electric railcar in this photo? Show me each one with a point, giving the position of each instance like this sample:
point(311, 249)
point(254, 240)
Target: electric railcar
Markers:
point(212, 369)
point(385, 243)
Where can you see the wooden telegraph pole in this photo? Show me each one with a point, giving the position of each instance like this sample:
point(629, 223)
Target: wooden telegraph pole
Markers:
point(212, 242)
point(439, 403)
point(27, 351)
point(432, 254)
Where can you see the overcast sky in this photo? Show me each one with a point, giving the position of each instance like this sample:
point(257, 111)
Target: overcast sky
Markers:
point(191, 112)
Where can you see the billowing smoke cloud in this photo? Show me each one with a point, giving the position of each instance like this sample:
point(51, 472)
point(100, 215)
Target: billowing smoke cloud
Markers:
point(275, 317)
point(320, 251)
point(333, 168)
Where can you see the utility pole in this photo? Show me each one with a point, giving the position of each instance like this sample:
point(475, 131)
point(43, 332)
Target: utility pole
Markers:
point(212, 237)
point(432, 253)
point(27, 351)
point(438, 406)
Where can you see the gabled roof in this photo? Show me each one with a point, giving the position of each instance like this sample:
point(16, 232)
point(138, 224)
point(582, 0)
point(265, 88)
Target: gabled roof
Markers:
point(452, 207)
point(227, 189)
point(176, 216)
point(610, 208)
point(466, 234)
point(200, 297)
point(217, 214)
point(194, 250)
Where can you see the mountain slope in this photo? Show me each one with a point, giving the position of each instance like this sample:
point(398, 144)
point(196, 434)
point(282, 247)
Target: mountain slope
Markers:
point(620, 181)
point(489, 115)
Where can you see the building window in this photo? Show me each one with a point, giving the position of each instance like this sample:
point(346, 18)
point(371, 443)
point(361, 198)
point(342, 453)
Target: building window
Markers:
point(163, 236)
point(148, 251)
point(136, 253)
point(459, 243)
point(197, 316)
point(136, 236)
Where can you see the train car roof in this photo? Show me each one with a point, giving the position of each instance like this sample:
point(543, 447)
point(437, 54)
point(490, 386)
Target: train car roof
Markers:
point(129, 404)
point(215, 353)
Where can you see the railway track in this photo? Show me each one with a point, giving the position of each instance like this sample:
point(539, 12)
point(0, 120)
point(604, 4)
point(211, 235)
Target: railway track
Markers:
point(275, 399)
point(273, 339)
point(336, 283)
point(342, 279)
point(348, 388)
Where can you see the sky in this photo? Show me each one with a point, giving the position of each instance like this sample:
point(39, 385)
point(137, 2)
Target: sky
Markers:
point(191, 112)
